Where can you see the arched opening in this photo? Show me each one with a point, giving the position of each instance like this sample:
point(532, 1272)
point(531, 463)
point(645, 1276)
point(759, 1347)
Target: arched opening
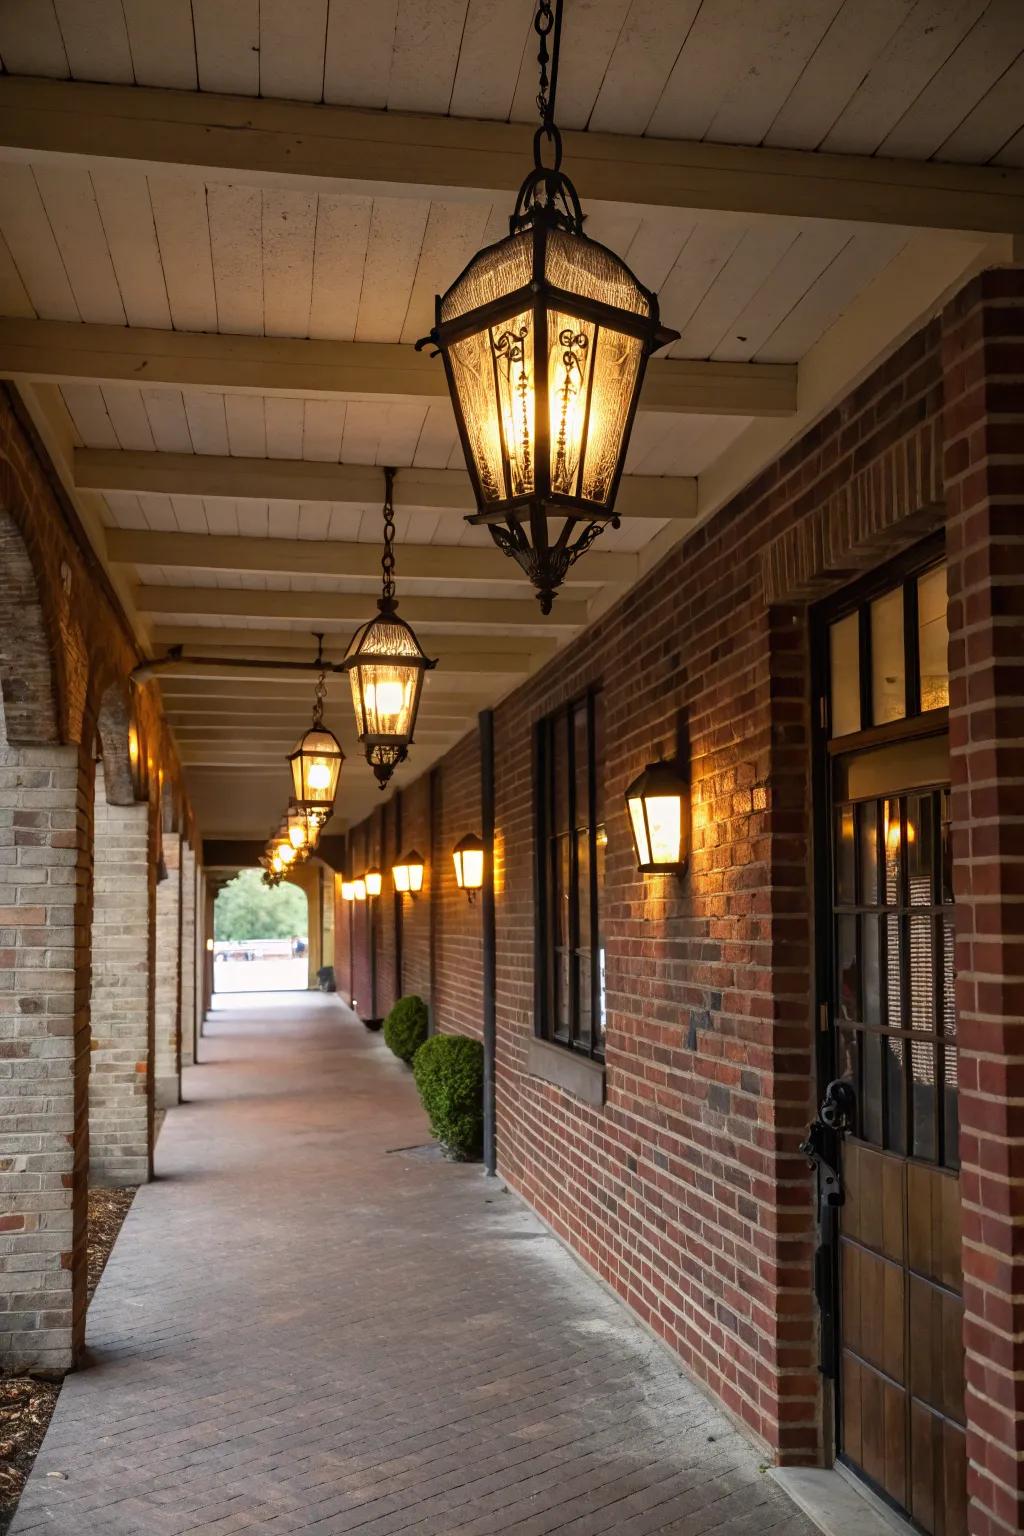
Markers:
point(261, 936)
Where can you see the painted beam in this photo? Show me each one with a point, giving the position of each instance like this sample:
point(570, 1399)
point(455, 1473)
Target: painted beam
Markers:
point(356, 607)
point(303, 480)
point(355, 149)
point(58, 351)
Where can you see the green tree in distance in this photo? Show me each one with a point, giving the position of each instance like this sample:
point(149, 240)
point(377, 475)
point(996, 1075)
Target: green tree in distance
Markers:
point(248, 909)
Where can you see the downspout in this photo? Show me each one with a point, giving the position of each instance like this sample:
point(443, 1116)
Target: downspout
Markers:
point(488, 935)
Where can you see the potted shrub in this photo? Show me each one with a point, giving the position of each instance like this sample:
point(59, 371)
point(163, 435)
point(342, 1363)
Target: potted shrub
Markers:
point(449, 1073)
point(405, 1028)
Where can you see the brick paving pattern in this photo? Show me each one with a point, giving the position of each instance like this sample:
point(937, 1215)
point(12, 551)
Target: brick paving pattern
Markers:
point(305, 1328)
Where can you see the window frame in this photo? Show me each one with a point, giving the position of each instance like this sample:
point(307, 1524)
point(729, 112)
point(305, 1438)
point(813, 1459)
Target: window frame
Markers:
point(546, 840)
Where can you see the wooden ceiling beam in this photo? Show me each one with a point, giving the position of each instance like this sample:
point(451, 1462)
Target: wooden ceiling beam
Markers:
point(352, 607)
point(357, 150)
point(58, 351)
point(340, 484)
point(271, 644)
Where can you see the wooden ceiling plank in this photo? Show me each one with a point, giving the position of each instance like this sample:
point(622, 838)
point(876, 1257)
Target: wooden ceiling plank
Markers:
point(355, 149)
point(188, 474)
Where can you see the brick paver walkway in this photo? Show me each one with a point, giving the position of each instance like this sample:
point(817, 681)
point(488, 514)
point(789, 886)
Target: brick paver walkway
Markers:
point(304, 1328)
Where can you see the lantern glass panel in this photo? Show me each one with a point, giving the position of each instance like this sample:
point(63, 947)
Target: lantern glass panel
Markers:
point(472, 371)
point(570, 362)
point(664, 825)
point(639, 824)
point(359, 889)
point(415, 878)
point(495, 272)
point(374, 880)
point(469, 868)
point(616, 365)
point(400, 875)
point(348, 890)
point(578, 265)
point(316, 764)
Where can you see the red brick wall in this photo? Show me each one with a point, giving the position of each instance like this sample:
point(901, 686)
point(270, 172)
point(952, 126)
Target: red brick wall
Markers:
point(458, 981)
point(687, 1191)
point(984, 466)
point(417, 835)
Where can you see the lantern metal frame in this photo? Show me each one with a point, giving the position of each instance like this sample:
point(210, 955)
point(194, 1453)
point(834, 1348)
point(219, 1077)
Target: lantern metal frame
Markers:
point(660, 780)
point(414, 867)
point(471, 843)
point(385, 751)
point(322, 808)
point(547, 202)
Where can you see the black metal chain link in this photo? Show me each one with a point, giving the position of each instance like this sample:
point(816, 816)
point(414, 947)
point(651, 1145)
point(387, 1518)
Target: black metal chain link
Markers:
point(320, 691)
point(388, 558)
point(547, 24)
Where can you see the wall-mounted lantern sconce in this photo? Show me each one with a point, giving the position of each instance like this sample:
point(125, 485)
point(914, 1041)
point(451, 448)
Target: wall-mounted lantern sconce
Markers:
point(658, 803)
point(374, 881)
point(209, 944)
point(408, 873)
point(348, 890)
point(468, 857)
point(359, 889)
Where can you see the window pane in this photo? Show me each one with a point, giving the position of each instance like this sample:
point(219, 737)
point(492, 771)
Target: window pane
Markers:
point(871, 969)
point(867, 816)
point(922, 973)
point(922, 1063)
point(844, 679)
point(560, 774)
point(848, 969)
point(871, 1095)
point(893, 833)
point(846, 858)
point(895, 1094)
point(920, 851)
point(933, 638)
point(888, 666)
point(581, 756)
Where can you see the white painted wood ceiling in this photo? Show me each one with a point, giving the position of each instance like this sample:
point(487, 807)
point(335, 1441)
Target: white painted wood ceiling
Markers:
point(176, 248)
point(910, 78)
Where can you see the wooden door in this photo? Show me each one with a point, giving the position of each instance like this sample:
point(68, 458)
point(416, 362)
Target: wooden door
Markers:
point(891, 1016)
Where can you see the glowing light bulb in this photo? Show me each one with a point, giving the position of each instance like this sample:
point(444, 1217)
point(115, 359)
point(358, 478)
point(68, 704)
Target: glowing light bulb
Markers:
point(385, 699)
point(319, 776)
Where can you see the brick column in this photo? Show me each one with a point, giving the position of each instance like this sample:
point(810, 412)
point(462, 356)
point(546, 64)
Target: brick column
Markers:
point(188, 954)
point(45, 837)
point(168, 976)
point(123, 928)
point(983, 357)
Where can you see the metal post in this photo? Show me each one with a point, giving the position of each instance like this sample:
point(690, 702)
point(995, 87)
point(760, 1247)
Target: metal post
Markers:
point(488, 937)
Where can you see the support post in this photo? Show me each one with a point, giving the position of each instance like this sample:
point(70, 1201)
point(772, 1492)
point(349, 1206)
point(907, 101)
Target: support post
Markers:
point(396, 897)
point(488, 936)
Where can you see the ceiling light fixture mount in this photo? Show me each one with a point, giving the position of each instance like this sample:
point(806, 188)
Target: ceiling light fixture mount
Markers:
point(545, 337)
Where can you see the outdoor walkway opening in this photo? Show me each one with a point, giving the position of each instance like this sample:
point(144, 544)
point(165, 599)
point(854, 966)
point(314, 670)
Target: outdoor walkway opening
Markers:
point(260, 936)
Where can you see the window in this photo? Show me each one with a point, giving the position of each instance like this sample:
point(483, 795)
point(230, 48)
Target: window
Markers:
point(570, 844)
point(887, 658)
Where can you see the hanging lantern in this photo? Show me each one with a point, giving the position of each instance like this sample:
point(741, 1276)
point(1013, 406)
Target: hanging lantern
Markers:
point(385, 663)
point(298, 834)
point(657, 802)
point(468, 858)
point(545, 337)
point(316, 761)
point(408, 873)
point(374, 882)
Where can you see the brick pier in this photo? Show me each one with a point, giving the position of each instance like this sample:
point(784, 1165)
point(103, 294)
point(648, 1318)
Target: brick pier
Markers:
point(308, 1327)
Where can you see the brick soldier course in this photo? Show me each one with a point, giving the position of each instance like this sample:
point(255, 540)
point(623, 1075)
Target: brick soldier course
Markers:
point(433, 1362)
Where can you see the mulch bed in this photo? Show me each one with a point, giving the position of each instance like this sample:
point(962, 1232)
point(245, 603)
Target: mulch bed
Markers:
point(26, 1403)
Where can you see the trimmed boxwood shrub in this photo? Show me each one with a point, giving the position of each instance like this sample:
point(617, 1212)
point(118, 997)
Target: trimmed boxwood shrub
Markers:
point(449, 1073)
point(405, 1027)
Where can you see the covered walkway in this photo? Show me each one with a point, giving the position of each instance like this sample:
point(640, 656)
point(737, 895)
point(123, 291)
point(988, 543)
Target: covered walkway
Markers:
point(311, 1323)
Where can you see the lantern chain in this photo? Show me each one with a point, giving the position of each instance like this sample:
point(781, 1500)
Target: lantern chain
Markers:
point(388, 559)
point(548, 24)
